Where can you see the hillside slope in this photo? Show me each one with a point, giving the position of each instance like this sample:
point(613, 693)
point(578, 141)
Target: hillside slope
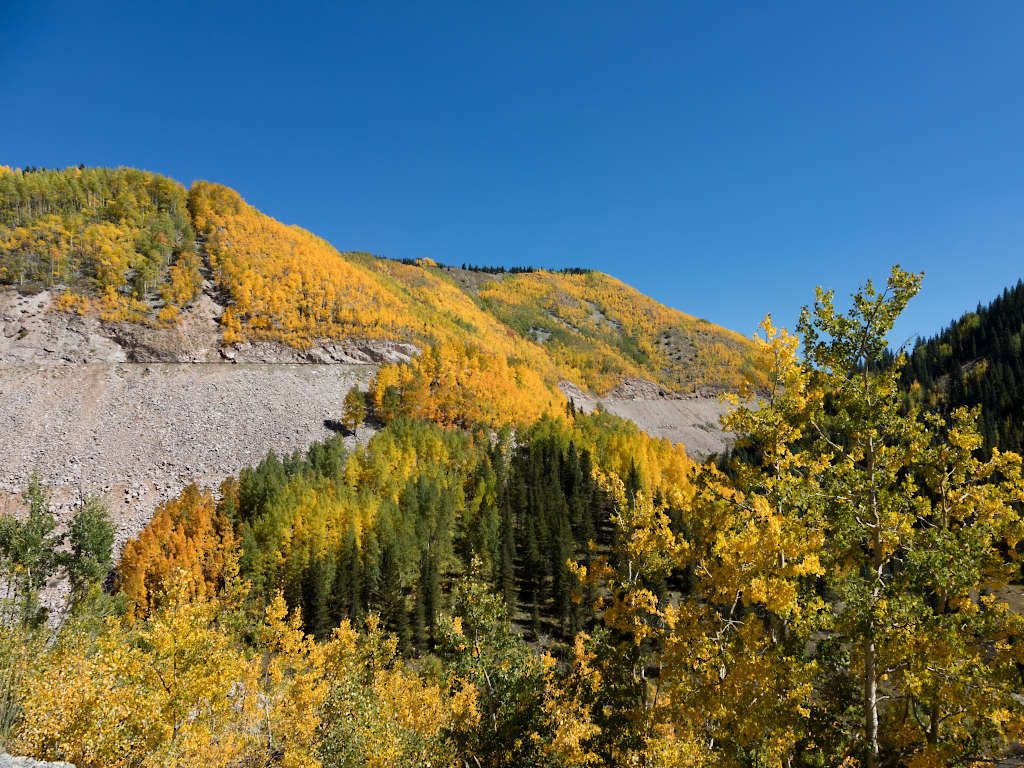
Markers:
point(604, 331)
point(135, 249)
point(977, 361)
point(113, 283)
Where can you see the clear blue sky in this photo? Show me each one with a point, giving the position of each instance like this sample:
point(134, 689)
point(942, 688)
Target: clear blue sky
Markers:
point(722, 157)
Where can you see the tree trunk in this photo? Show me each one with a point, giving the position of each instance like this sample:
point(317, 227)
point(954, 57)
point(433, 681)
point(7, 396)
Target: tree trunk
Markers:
point(870, 704)
point(870, 671)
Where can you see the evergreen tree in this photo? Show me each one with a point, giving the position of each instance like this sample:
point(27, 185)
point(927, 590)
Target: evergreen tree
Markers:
point(370, 575)
point(354, 567)
point(418, 620)
point(976, 361)
point(341, 589)
point(317, 583)
point(391, 596)
point(507, 570)
point(430, 586)
point(561, 591)
point(91, 540)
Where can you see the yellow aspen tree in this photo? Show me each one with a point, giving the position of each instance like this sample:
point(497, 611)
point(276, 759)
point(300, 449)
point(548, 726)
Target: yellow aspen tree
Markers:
point(187, 533)
point(916, 525)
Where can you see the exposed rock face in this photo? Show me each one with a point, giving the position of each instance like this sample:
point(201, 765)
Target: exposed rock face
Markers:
point(134, 412)
point(33, 332)
point(124, 410)
point(640, 389)
point(195, 339)
point(349, 352)
point(138, 433)
point(8, 761)
point(692, 420)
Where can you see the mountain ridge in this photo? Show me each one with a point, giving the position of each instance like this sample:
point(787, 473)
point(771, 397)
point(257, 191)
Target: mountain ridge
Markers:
point(976, 360)
point(136, 250)
point(520, 341)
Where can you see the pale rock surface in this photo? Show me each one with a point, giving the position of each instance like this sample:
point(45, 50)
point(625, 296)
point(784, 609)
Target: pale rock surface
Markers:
point(693, 420)
point(9, 761)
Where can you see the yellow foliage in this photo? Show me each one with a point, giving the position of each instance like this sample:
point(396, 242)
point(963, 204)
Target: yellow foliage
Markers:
point(116, 307)
point(182, 688)
point(567, 709)
point(176, 690)
point(111, 230)
point(601, 331)
point(621, 447)
point(382, 715)
point(287, 285)
point(109, 249)
point(295, 686)
point(184, 282)
point(186, 535)
point(462, 384)
point(70, 302)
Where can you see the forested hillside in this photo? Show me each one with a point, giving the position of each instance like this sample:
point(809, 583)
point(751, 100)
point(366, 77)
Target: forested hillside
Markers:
point(389, 529)
point(977, 361)
point(558, 594)
point(595, 324)
point(115, 238)
point(135, 246)
point(495, 578)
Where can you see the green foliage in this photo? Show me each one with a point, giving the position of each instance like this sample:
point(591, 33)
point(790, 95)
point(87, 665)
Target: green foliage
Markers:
point(32, 553)
point(915, 524)
point(394, 526)
point(914, 660)
point(29, 555)
point(354, 409)
point(602, 331)
point(976, 361)
point(114, 232)
point(478, 643)
point(91, 539)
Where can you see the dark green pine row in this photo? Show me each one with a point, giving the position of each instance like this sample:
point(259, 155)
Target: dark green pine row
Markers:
point(551, 509)
point(977, 361)
point(516, 516)
point(493, 270)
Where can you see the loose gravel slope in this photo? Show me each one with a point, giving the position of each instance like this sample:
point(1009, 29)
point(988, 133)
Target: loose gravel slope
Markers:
point(138, 433)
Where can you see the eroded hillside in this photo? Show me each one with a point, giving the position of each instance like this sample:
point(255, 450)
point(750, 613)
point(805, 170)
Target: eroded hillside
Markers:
point(135, 248)
point(120, 282)
point(138, 433)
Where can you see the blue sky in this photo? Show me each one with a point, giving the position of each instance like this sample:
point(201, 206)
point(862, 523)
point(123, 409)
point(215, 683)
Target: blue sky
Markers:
point(724, 158)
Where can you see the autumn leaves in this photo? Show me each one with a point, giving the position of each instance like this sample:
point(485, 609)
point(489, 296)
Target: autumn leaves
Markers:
point(135, 246)
point(119, 240)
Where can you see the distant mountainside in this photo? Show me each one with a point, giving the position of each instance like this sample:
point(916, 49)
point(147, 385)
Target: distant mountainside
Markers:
point(977, 361)
point(137, 249)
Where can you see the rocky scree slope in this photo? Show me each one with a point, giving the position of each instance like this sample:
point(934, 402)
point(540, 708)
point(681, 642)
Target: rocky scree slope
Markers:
point(136, 246)
point(134, 413)
point(153, 335)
